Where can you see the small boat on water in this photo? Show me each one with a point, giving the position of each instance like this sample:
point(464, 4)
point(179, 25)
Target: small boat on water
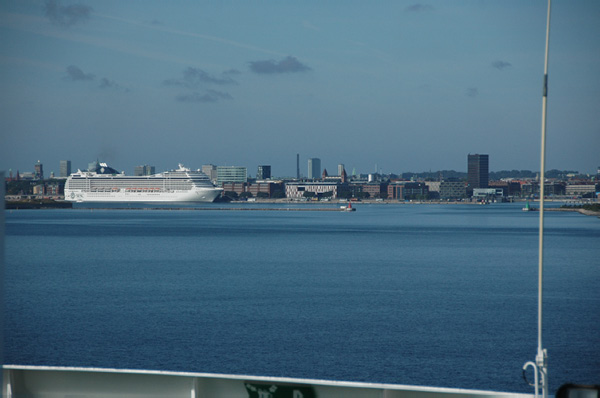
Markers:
point(526, 208)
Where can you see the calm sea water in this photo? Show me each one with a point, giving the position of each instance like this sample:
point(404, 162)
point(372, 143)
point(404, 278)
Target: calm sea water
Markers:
point(436, 295)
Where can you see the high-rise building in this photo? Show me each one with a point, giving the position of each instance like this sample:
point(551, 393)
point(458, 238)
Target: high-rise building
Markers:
point(144, 170)
point(340, 169)
point(478, 171)
point(314, 168)
point(298, 166)
point(39, 171)
point(65, 168)
point(263, 173)
point(231, 174)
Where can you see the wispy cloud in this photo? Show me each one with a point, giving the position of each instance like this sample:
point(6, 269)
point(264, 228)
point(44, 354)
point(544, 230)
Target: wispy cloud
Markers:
point(66, 15)
point(76, 74)
point(193, 77)
point(35, 24)
point(208, 96)
point(418, 7)
point(107, 83)
point(287, 65)
point(160, 27)
point(501, 65)
point(472, 92)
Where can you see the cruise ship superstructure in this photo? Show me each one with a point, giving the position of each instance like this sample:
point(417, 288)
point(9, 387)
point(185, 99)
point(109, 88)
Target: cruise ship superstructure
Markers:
point(105, 184)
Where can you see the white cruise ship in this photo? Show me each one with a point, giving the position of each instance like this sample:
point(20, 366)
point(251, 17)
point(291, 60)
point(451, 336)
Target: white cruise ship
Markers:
point(105, 184)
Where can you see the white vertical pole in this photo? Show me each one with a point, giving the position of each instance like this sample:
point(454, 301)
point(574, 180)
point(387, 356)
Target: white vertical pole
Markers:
point(2, 308)
point(541, 357)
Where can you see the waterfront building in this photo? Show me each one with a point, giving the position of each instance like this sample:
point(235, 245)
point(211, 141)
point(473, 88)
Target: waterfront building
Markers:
point(510, 188)
point(395, 190)
point(296, 190)
point(38, 190)
point(529, 188)
point(341, 179)
point(349, 191)
point(39, 171)
point(452, 190)
point(478, 171)
point(265, 189)
point(405, 190)
point(211, 171)
point(54, 189)
point(47, 189)
point(231, 174)
point(237, 187)
point(144, 170)
point(554, 189)
point(550, 189)
point(433, 186)
point(65, 168)
point(487, 193)
point(375, 190)
point(581, 189)
point(263, 172)
point(314, 168)
point(415, 190)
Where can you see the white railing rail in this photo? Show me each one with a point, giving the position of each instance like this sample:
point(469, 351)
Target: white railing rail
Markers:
point(44, 381)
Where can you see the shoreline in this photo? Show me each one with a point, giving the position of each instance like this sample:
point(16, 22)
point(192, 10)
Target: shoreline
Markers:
point(241, 205)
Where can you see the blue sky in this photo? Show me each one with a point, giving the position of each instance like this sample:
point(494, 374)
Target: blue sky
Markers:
point(401, 86)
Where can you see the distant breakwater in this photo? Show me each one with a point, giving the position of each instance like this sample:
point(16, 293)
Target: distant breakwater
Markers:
point(215, 208)
point(37, 204)
point(571, 209)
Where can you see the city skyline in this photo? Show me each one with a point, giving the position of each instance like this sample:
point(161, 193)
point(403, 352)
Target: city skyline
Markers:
point(397, 86)
point(470, 170)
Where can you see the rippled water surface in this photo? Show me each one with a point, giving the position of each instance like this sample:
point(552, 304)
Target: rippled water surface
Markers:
point(439, 295)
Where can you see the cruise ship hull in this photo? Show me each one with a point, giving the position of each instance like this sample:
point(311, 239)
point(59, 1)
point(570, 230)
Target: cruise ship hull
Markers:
point(199, 195)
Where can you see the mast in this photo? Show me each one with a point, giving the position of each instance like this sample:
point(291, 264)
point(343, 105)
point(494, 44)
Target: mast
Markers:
point(541, 360)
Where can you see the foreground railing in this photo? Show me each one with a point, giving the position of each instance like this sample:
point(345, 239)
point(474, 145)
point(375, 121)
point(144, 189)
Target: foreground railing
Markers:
point(46, 381)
